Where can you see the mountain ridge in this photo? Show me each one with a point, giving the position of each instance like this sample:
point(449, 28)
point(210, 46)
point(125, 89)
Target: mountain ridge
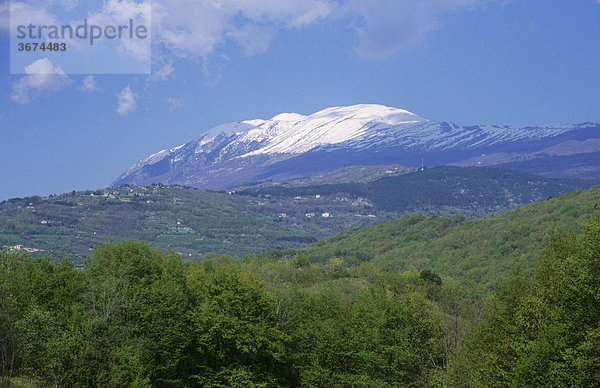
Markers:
point(290, 145)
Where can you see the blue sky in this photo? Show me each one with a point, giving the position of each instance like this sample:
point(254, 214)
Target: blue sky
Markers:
point(517, 62)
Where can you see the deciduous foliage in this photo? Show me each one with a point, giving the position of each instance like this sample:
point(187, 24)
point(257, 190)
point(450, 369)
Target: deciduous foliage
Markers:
point(543, 331)
point(482, 252)
point(136, 317)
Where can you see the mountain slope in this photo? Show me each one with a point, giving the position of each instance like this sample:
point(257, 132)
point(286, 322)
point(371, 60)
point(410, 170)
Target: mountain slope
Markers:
point(191, 221)
point(471, 191)
point(252, 220)
point(350, 174)
point(292, 146)
point(482, 251)
point(239, 152)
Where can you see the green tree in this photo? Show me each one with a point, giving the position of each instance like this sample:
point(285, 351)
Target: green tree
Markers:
point(544, 331)
point(236, 339)
point(138, 302)
point(9, 314)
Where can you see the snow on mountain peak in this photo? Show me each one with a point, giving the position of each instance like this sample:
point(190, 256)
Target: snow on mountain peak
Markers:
point(358, 126)
point(292, 133)
point(231, 129)
point(252, 149)
point(288, 117)
point(372, 112)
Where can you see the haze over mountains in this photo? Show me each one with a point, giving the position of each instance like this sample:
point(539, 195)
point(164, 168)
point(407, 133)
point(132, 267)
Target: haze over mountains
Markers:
point(291, 145)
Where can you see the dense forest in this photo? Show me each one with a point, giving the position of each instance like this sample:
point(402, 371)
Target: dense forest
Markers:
point(470, 191)
point(134, 316)
point(479, 252)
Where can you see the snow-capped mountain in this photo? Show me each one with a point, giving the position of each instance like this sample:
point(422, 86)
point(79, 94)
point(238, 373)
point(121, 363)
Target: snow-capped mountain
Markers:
point(291, 145)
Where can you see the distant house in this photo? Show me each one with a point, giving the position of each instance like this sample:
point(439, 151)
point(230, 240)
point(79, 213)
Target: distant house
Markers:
point(22, 248)
point(13, 248)
point(32, 250)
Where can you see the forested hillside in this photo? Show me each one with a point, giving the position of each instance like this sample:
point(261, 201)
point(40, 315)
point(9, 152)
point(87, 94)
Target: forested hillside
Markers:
point(188, 220)
point(542, 331)
point(481, 251)
point(272, 216)
point(471, 191)
point(136, 317)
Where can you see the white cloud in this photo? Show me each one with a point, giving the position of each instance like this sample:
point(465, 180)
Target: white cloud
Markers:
point(174, 103)
point(386, 26)
point(196, 28)
point(120, 12)
point(253, 39)
point(68, 5)
point(126, 102)
point(164, 72)
point(42, 76)
point(293, 13)
point(89, 84)
point(25, 12)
